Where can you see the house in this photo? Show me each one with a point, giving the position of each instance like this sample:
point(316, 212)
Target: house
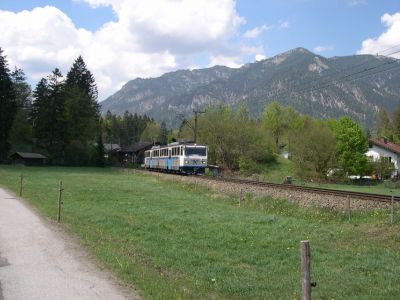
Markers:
point(28, 159)
point(384, 148)
point(111, 148)
point(134, 153)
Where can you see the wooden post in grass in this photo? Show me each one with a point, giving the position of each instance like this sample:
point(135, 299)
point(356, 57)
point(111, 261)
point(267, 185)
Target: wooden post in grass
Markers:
point(241, 196)
point(305, 271)
point(348, 207)
point(59, 202)
point(21, 184)
point(392, 210)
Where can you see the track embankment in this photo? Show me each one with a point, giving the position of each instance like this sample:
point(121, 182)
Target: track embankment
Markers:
point(303, 196)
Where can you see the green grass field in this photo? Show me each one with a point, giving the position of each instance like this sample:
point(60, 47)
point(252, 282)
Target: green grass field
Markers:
point(174, 241)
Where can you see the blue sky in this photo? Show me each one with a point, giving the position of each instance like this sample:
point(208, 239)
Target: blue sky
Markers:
point(124, 39)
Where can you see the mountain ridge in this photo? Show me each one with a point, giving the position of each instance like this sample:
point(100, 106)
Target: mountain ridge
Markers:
point(312, 84)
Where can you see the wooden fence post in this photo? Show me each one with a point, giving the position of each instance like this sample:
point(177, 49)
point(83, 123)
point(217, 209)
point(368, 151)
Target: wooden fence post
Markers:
point(392, 210)
point(21, 178)
point(305, 270)
point(348, 207)
point(241, 196)
point(60, 190)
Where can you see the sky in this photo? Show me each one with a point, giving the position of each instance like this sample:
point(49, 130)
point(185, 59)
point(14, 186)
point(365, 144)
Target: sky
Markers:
point(124, 39)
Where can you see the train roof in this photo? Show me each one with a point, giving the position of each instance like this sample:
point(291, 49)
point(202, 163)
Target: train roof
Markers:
point(177, 144)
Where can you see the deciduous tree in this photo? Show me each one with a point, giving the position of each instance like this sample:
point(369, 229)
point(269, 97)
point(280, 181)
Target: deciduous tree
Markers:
point(351, 145)
point(313, 148)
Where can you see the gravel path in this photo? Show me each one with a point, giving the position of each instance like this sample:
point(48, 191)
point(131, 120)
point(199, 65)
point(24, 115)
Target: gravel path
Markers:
point(39, 261)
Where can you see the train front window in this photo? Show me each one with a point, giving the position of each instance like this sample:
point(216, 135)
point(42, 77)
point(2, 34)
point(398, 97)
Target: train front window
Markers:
point(195, 151)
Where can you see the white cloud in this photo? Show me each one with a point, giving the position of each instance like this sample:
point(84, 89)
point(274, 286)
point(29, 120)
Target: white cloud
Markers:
point(256, 31)
point(234, 59)
point(320, 49)
point(259, 57)
point(224, 60)
point(356, 2)
point(284, 24)
point(148, 38)
point(389, 39)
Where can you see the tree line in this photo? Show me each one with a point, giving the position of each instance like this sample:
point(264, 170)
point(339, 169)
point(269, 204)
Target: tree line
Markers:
point(317, 147)
point(60, 117)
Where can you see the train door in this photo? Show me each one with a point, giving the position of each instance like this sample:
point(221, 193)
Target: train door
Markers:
point(169, 160)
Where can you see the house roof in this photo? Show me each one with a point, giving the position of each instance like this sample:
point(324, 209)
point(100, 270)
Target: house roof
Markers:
point(29, 155)
point(395, 148)
point(138, 146)
point(112, 147)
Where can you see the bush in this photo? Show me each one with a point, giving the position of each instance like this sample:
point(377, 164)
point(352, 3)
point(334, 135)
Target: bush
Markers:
point(382, 168)
point(248, 166)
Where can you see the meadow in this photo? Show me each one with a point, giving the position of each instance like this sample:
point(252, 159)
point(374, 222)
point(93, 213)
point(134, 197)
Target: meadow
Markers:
point(171, 240)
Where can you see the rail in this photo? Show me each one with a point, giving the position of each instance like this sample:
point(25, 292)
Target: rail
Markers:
point(334, 192)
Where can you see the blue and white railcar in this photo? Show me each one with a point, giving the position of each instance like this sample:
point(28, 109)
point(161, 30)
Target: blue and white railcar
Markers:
point(186, 158)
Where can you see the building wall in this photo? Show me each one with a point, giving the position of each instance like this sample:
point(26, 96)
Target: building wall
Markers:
point(378, 152)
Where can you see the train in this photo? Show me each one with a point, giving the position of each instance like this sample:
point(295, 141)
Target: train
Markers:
point(177, 157)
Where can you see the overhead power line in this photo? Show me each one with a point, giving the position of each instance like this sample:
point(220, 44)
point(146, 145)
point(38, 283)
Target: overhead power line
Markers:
point(348, 77)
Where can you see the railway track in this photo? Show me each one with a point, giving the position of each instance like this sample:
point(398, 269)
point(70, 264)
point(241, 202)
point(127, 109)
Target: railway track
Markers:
point(341, 193)
point(292, 187)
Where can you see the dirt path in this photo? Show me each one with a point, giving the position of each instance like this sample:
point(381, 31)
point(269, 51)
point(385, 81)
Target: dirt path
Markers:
point(39, 261)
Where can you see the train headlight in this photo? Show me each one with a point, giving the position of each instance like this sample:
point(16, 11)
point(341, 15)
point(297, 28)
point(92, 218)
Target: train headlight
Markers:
point(203, 161)
point(186, 161)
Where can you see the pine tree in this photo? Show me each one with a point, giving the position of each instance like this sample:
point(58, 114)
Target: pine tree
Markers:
point(48, 114)
point(21, 132)
point(163, 133)
point(100, 161)
point(23, 92)
point(81, 107)
point(385, 126)
point(8, 106)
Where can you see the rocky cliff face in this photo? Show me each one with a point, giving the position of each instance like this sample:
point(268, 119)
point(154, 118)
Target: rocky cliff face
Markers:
point(321, 87)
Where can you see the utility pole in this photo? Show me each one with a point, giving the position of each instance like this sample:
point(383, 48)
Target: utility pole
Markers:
point(196, 112)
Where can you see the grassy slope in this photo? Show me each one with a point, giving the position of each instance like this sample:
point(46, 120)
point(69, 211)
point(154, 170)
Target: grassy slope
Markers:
point(276, 172)
point(175, 241)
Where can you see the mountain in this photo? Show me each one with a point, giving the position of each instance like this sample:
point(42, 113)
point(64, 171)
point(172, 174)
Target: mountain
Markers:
point(322, 87)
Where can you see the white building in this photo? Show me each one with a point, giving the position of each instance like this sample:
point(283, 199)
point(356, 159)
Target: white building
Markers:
point(384, 148)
